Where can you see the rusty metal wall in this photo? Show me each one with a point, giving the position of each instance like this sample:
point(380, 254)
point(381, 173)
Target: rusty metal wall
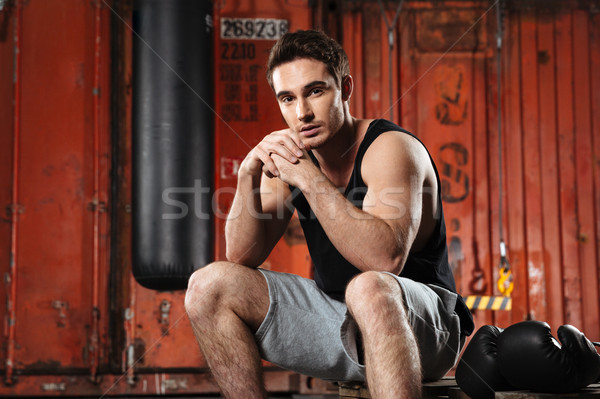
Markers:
point(55, 153)
point(75, 320)
point(444, 90)
point(60, 119)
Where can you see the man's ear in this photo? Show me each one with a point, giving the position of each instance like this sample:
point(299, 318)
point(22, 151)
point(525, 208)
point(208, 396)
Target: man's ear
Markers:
point(347, 87)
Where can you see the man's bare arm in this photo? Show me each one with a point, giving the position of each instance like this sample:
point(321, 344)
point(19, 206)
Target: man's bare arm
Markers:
point(380, 236)
point(256, 221)
point(258, 215)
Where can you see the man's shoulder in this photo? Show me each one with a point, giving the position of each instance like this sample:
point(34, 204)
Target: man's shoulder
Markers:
point(382, 125)
point(396, 142)
point(396, 152)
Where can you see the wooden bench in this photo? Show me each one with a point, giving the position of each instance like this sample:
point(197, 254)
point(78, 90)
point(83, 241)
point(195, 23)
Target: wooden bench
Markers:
point(447, 388)
point(431, 390)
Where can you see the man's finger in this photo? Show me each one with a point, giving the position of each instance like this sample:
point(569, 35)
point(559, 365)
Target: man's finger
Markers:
point(288, 139)
point(294, 145)
point(268, 164)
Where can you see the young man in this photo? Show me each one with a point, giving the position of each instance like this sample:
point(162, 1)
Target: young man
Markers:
point(382, 307)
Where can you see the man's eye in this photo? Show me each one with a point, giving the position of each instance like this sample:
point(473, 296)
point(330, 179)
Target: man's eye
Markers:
point(286, 99)
point(316, 91)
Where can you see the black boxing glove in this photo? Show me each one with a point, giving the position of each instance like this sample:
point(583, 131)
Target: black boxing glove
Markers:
point(530, 358)
point(587, 360)
point(478, 372)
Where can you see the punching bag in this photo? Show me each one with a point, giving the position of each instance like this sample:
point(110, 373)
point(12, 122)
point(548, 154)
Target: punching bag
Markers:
point(172, 123)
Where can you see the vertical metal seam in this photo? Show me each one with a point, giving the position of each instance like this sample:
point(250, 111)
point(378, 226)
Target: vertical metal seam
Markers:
point(130, 333)
point(11, 280)
point(558, 162)
point(94, 344)
point(595, 192)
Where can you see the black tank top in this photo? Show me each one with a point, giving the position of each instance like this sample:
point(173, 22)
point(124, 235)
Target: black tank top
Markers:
point(333, 272)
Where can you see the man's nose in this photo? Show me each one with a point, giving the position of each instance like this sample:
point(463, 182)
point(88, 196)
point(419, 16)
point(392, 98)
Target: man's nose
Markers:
point(303, 110)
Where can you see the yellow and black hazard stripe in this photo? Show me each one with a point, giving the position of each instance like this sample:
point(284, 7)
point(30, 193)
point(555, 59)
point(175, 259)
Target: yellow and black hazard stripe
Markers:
point(488, 302)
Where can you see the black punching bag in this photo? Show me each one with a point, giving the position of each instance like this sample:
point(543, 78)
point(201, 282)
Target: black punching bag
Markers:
point(172, 122)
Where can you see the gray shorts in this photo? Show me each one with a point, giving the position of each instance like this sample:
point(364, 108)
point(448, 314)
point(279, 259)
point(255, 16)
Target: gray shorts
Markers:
point(308, 332)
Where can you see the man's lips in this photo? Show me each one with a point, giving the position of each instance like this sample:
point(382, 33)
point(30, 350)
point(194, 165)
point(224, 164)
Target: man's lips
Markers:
point(309, 130)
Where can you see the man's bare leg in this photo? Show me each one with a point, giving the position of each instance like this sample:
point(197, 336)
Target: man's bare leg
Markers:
point(226, 303)
point(392, 359)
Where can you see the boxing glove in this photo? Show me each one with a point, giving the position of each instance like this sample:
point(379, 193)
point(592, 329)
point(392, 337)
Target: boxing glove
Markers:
point(478, 372)
point(587, 360)
point(530, 358)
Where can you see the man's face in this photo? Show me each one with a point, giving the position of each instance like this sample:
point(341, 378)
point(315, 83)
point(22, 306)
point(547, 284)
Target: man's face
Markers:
point(309, 99)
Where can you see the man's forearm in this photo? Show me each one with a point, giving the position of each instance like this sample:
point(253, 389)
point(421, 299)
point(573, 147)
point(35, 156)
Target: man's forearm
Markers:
point(244, 229)
point(364, 240)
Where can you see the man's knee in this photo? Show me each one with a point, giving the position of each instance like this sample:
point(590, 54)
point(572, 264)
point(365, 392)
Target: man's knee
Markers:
point(373, 291)
point(205, 288)
point(224, 288)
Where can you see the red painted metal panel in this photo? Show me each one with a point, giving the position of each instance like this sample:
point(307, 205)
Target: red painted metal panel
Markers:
point(160, 383)
point(585, 189)
point(353, 46)
point(55, 175)
point(450, 139)
point(497, 177)
point(478, 279)
point(373, 61)
point(513, 174)
point(407, 73)
point(531, 164)
point(163, 337)
point(549, 169)
point(389, 91)
point(123, 336)
point(11, 116)
point(568, 173)
point(6, 144)
point(595, 113)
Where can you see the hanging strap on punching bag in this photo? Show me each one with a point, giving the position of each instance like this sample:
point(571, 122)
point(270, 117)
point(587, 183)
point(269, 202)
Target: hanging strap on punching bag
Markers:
point(505, 280)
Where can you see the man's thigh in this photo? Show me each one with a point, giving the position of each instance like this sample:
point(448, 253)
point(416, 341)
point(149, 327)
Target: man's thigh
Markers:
point(308, 332)
point(435, 324)
point(302, 330)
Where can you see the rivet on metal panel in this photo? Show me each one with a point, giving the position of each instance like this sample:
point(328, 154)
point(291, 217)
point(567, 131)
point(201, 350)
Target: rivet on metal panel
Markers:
point(128, 314)
point(15, 209)
point(165, 309)
point(96, 205)
point(62, 308)
point(54, 387)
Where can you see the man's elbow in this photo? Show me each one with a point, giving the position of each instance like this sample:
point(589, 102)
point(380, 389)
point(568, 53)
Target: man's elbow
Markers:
point(395, 263)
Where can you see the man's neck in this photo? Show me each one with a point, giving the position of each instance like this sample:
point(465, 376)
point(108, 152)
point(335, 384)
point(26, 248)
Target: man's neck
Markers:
point(337, 156)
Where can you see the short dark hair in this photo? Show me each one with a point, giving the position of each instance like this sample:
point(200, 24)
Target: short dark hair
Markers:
point(309, 44)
